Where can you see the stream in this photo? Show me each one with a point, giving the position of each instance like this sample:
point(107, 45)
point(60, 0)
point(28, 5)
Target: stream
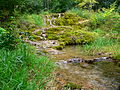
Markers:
point(74, 71)
point(97, 76)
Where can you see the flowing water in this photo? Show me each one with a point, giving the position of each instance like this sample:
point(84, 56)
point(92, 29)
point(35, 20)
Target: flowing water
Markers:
point(71, 76)
point(97, 76)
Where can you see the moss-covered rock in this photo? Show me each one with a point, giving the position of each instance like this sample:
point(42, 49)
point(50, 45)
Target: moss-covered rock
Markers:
point(39, 33)
point(65, 19)
point(70, 36)
point(68, 30)
point(59, 47)
point(117, 57)
point(68, 20)
point(73, 86)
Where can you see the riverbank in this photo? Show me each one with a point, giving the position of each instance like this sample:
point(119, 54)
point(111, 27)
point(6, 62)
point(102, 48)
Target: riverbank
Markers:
point(84, 45)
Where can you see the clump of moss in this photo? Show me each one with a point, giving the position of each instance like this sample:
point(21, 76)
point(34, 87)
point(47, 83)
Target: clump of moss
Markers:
point(117, 57)
point(69, 19)
point(73, 86)
point(35, 37)
point(55, 33)
point(60, 47)
point(39, 32)
point(67, 36)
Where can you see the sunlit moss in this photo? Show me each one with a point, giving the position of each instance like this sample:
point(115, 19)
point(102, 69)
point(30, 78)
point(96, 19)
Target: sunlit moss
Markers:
point(70, 36)
point(59, 47)
point(68, 20)
point(73, 86)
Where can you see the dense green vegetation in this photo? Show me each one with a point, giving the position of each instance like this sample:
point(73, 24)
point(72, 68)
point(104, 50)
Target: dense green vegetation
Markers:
point(22, 69)
point(106, 24)
point(93, 24)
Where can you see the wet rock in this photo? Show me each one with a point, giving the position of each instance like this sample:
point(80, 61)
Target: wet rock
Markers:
point(101, 53)
point(62, 61)
point(44, 44)
point(75, 60)
point(102, 59)
point(85, 65)
point(33, 43)
point(80, 60)
point(44, 35)
point(89, 61)
point(62, 64)
point(99, 60)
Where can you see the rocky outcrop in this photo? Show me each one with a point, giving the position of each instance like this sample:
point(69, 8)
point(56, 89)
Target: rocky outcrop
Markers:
point(44, 44)
point(67, 28)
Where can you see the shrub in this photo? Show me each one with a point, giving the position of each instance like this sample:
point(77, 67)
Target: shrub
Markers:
point(7, 40)
point(107, 19)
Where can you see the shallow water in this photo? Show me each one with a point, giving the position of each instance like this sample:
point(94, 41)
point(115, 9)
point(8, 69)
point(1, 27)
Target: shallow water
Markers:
point(97, 76)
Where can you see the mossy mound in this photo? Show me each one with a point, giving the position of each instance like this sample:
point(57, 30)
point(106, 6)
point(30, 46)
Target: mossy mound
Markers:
point(69, 19)
point(69, 36)
point(67, 30)
point(65, 19)
point(30, 35)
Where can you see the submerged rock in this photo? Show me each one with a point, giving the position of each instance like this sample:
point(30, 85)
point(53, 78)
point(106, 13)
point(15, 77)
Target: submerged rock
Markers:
point(63, 64)
point(85, 65)
point(54, 51)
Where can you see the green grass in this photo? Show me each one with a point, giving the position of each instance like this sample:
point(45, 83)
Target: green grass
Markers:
point(99, 43)
point(81, 12)
point(103, 44)
point(33, 19)
point(21, 69)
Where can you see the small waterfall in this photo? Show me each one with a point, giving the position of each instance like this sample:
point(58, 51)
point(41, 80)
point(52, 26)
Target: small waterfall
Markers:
point(45, 21)
point(43, 34)
point(50, 21)
point(59, 15)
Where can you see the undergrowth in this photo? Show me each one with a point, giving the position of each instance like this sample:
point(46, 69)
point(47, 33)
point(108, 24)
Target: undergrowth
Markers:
point(105, 22)
point(34, 19)
point(29, 21)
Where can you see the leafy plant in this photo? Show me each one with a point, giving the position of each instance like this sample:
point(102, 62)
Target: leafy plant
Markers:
point(102, 15)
